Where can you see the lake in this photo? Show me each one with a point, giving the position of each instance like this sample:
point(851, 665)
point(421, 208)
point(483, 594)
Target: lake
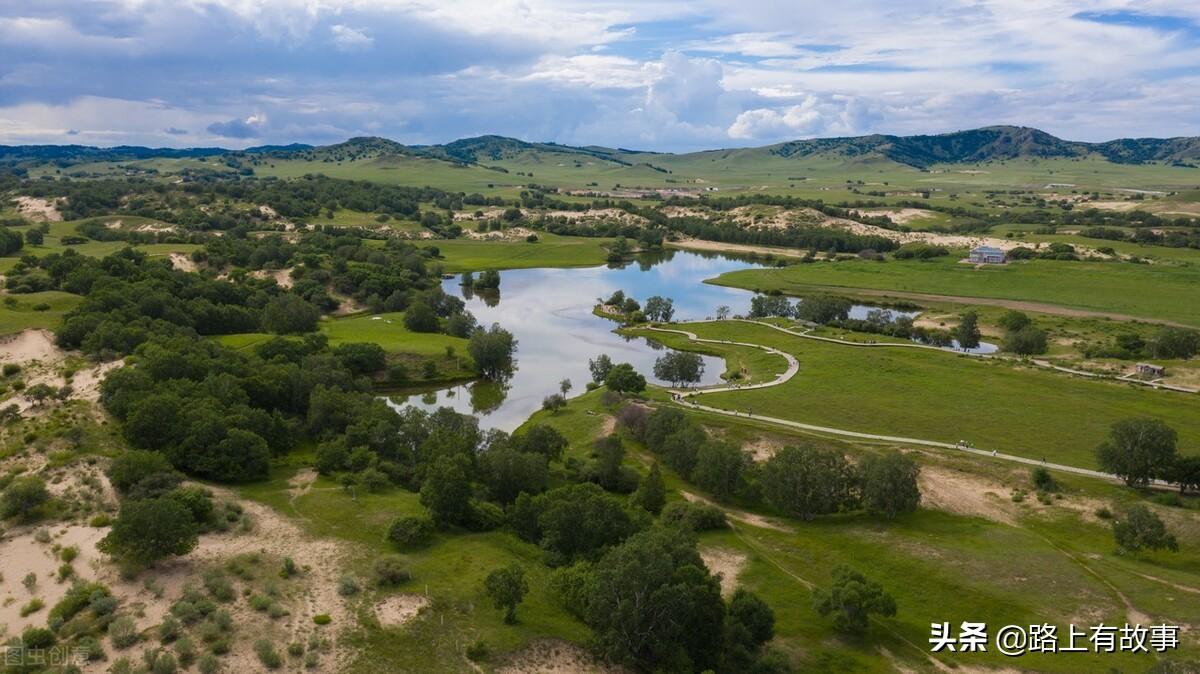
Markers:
point(549, 311)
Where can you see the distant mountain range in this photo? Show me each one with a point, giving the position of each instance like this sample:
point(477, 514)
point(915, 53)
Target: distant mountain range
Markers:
point(973, 146)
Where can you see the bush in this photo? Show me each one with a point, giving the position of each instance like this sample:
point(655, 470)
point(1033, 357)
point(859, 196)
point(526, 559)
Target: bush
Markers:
point(693, 516)
point(265, 650)
point(348, 586)
point(33, 606)
point(208, 664)
point(123, 632)
point(391, 570)
point(322, 619)
point(410, 531)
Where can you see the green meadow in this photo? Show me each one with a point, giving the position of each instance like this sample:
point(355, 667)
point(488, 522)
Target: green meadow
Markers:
point(1162, 292)
point(550, 250)
point(947, 397)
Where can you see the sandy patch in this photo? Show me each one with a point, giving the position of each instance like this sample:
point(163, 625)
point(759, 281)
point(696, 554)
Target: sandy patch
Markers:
point(762, 449)
point(700, 244)
point(900, 216)
point(182, 262)
point(86, 383)
point(552, 656)
point(510, 234)
point(964, 494)
point(283, 277)
point(400, 609)
point(608, 426)
point(725, 563)
point(42, 210)
point(598, 214)
point(30, 345)
point(23, 555)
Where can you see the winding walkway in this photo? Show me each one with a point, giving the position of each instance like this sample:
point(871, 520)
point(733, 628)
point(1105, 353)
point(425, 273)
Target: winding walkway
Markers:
point(683, 397)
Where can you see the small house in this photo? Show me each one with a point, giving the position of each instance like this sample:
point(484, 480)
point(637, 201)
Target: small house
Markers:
point(1150, 370)
point(987, 255)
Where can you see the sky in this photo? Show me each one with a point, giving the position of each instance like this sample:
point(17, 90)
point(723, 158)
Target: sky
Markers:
point(642, 74)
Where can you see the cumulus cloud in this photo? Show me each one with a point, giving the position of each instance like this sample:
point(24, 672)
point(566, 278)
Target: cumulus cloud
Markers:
point(346, 38)
point(654, 74)
point(250, 127)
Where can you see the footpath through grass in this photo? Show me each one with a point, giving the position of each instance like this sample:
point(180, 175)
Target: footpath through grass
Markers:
point(1164, 292)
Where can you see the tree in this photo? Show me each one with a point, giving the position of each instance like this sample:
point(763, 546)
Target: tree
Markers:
point(651, 494)
point(679, 366)
point(508, 472)
point(542, 439)
point(420, 317)
point(289, 314)
point(967, 331)
point(718, 468)
point(1172, 342)
point(889, 484)
point(361, 357)
point(1186, 473)
point(653, 605)
point(600, 366)
point(823, 309)
point(1027, 341)
point(447, 491)
point(507, 587)
point(623, 378)
point(659, 309)
point(762, 306)
point(40, 393)
point(34, 236)
point(805, 481)
point(1140, 529)
point(852, 599)
point(1138, 450)
point(554, 402)
point(564, 387)
point(492, 350)
point(133, 466)
point(722, 312)
point(749, 623)
point(1014, 320)
point(23, 497)
point(148, 530)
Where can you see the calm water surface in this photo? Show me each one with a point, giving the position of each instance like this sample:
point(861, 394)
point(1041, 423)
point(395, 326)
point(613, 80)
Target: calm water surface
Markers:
point(549, 311)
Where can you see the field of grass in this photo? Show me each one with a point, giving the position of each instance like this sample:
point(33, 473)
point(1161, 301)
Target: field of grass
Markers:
point(461, 255)
point(946, 397)
point(1161, 292)
point(22, 315)
point(388, 331)
point(53, 243)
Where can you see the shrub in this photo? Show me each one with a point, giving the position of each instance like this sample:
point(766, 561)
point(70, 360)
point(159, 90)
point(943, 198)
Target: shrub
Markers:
point(347, 586)
point(1043, 480)
point(123, 632)
point(208, 664)
point(391, 570)
point(410, 531)
point(478, 650)
point(322, 619)
point(33, 606)
point(693, 516)
point(265, 650)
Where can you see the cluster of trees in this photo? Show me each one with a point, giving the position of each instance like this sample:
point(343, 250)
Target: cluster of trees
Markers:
point(1021, 336)
point(1168, 343)
point(1140, 450)
point(617, 377)
point(800, 481)
point(679, 367)
point(657, 308)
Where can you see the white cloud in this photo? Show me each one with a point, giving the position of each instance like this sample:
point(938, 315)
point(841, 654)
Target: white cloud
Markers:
point(346, 38)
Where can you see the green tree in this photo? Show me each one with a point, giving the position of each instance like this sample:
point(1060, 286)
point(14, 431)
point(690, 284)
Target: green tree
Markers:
point(492, 350)
point(805, 481)
point(679, 367)
point(1139, 529)
point(600, 366)
point(133, 466)
point(852, 599)
point(718, 468)
point(542, 439)
point(651, 493)
point(1013, 320)
point(1028, 341)
point(148, 530)
point(659, 309)
point(623, 378)
point(447, 491)
point(1186, 473)
point(889, 484)
point(1138, 450)
point(749, 624)
point(361, 357)
point(554, 402)
point(420, 317)
point(410, 531)
point(24, 497)
point(1172, 342)
point(289, 314)
point(508, 472)
point(967, 331)
point(507, 588)
point(34, 237)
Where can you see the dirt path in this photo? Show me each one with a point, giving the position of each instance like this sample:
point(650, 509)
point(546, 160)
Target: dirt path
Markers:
point(792, 368)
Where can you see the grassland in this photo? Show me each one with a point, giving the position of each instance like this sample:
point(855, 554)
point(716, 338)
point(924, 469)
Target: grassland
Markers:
point(549, 250)
point(946, 397)
point(52, 243)
point(1157, 292)
point(50, 305)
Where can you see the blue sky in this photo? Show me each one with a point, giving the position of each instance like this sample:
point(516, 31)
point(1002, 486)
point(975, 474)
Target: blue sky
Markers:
point(647, 74)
